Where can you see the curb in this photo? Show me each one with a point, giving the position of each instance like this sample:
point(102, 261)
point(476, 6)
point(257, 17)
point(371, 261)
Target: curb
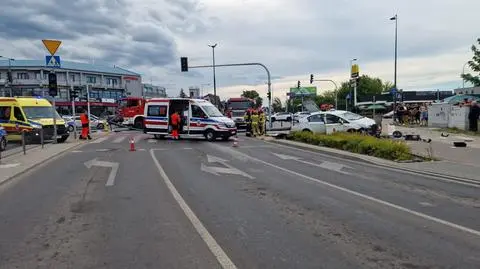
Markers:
point(371, 160)
point(56, 156)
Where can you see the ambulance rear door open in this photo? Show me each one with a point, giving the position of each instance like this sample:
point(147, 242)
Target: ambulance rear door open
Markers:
point(157, 117)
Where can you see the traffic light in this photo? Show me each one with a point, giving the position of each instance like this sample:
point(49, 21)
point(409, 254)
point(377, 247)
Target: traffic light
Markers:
point(73, 94)
point(184, 64)
point(269, 95)
point(298, 84)
point(9, 77)
point(52, 84)
point(311, 78)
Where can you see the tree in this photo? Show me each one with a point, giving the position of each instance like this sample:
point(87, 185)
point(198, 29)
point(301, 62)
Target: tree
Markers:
point(277, 104)
point(474, 65)
point(253, 94)
point(366, 86)
point(182, 94)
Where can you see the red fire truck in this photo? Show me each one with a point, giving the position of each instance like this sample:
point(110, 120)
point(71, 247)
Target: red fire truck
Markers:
point(131, 110)
point(236, 108)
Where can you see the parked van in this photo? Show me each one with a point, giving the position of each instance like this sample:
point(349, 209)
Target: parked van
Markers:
point(30, 114)
point(200, 118)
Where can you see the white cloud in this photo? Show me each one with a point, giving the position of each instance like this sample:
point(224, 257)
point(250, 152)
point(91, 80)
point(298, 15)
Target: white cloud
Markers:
point(293, 38)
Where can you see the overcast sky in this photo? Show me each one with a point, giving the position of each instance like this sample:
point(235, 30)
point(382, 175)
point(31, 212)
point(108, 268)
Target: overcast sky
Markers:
point(292, 38)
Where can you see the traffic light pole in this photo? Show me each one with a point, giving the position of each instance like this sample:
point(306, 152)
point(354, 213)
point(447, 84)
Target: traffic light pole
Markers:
point(249, 64)
point(73, 115)
point(54, 116)
point(336, 89)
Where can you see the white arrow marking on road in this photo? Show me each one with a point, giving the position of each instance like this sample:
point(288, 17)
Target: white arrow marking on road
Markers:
point(222, 170)
point(337, 167)
point(9, 165)
point(113, 173)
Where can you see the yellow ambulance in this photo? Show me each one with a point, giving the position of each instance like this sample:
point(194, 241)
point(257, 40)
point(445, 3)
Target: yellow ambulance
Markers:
point(30, 114)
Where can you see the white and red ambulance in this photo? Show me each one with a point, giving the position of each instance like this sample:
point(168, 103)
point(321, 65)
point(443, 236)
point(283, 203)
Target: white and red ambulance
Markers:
point(200, 118)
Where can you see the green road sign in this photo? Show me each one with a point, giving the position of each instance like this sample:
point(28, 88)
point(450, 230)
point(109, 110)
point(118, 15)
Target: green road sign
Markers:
point(304, 90)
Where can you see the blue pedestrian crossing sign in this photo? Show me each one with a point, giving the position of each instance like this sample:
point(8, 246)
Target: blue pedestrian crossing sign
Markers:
point(52, 61)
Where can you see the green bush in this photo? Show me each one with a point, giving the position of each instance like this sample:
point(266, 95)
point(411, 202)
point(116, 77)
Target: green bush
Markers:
point(357, 143)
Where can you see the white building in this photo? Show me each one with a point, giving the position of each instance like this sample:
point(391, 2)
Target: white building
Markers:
point(152, 91)
point(468, 91)
point(107, 84)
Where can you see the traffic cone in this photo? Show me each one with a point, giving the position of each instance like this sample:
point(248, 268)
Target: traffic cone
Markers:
point(235, 142)
point(132, 144)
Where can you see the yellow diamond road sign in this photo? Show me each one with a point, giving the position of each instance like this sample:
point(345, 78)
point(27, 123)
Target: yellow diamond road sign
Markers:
point(51, 45)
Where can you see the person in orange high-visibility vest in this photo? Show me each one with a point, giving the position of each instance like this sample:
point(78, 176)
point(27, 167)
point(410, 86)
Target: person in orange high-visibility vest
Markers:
point(85, 126)
point(175, 124)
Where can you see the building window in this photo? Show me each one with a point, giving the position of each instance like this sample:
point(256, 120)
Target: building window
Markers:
point(91, 79)
point(22, 76)
point(112, 81)
point(72, 77)
point(45, 75)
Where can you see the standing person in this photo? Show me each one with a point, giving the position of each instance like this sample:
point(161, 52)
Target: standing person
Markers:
point(261, 122)
point(84, 120)
point(176, 121)
point(248, 120)
point(423, 115)
point(473, 116)
point(255, 123)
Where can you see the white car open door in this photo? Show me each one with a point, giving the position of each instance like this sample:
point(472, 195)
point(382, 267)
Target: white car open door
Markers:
point(333, 124)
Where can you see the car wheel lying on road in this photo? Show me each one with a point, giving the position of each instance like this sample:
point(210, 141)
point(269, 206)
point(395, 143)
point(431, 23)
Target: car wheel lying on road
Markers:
point(70, 128)
point(100, 126)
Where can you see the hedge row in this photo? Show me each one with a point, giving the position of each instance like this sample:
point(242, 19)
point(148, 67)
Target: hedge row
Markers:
point(357, 143)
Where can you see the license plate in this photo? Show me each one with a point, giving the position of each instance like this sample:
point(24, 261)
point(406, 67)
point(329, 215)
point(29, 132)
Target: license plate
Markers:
point(233, 132)
point(59, 136)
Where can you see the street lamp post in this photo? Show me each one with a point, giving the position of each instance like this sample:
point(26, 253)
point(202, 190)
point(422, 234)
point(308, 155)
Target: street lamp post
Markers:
point(395, 18)
point(463, 74)
point(10, 72)
point(214, 79)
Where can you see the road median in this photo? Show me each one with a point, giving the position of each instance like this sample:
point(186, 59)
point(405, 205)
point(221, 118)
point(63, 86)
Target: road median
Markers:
point(438, 169)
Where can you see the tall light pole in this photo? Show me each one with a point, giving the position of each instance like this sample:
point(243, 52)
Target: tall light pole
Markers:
point(9, 72)
point(463, 74)
point(395, 18)
point(214, 79)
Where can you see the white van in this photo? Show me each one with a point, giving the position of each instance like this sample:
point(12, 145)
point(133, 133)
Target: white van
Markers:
point(200, 118)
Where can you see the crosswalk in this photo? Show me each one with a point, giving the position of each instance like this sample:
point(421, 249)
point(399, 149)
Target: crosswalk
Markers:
point(119, 138)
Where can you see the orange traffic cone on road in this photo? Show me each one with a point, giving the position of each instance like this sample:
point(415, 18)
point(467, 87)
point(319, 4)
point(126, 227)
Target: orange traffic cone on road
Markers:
point(235, 142)
point(132, 144)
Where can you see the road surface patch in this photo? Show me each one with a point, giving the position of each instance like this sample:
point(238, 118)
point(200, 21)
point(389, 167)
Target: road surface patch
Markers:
point(211, 243)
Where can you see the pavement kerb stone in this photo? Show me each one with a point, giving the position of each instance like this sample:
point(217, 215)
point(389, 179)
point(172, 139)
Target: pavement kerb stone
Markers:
point(73, 145)
point(371, 160)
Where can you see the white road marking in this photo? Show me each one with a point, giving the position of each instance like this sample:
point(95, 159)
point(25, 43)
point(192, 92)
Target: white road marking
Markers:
point(229, 169)
point(141, 149)
point(113, 173)
point(337, 167)
point(426, 204)
point(386, 167)
point(119, 139)
point(212, 244)
point(367, 197)
point(152, 141)
point(187, 148)
point(99, 140)
point(102, 150)
point(76, 151)
point(9, 165)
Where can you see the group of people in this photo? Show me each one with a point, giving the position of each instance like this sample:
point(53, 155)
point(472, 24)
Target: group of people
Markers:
point(255, 120)
point(412, 114)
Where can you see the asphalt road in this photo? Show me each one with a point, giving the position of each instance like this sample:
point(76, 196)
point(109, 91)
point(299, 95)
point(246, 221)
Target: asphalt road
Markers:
point(194, 204)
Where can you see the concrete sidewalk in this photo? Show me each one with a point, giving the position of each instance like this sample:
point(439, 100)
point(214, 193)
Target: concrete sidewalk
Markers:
point(18, 163)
